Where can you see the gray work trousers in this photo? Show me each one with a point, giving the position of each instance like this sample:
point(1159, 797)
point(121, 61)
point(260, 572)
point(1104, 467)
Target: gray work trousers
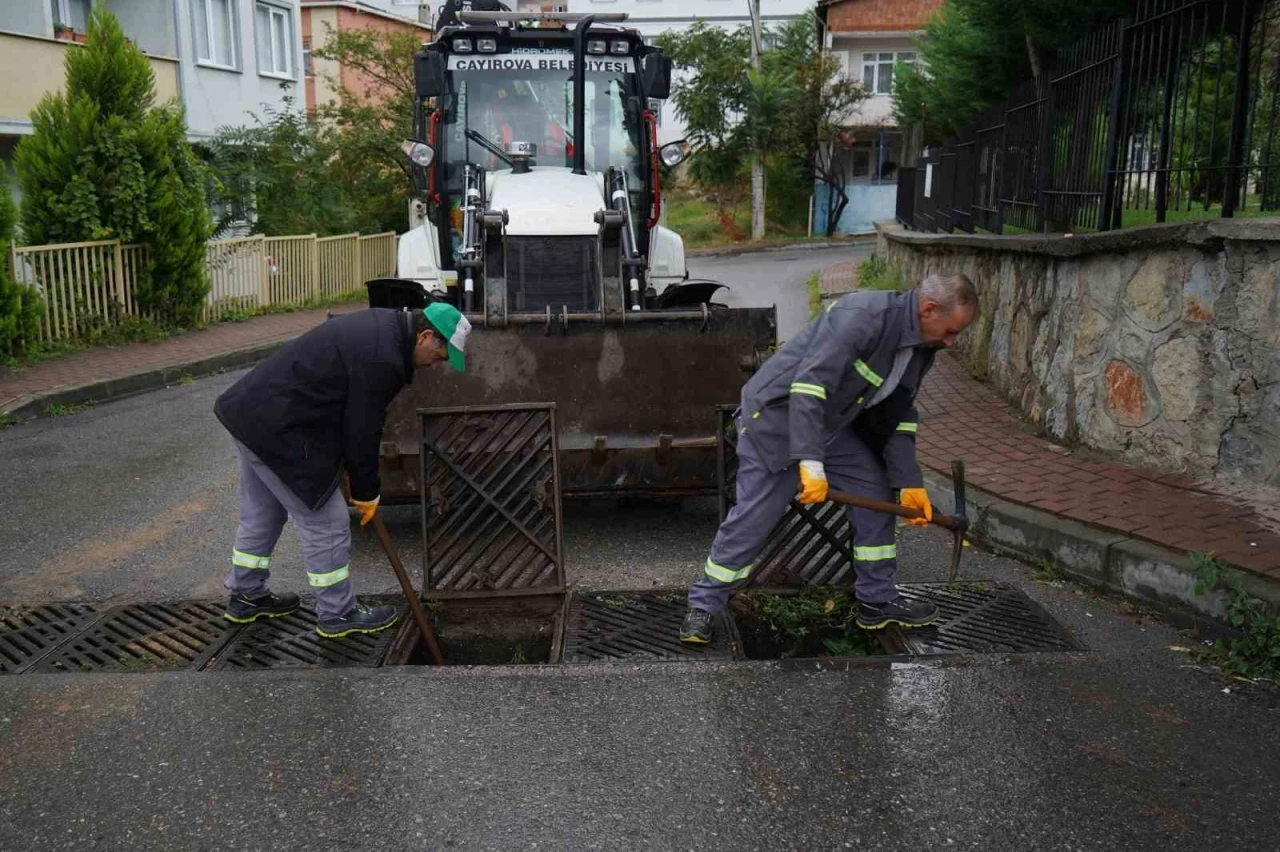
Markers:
point(763, 497)
point(265, 504)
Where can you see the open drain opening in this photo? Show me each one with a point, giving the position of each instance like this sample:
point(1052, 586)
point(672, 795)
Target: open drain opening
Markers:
point(815, 622)
point(519, 630)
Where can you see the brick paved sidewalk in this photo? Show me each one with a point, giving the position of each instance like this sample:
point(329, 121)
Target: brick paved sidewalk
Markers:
point(962, 418)
point(109, 363)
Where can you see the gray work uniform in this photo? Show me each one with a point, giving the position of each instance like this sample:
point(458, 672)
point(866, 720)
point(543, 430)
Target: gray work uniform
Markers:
point(265, 504)
point(841, 392)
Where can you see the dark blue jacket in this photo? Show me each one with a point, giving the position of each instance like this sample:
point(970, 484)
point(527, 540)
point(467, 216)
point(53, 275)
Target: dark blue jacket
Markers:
point(317, 406)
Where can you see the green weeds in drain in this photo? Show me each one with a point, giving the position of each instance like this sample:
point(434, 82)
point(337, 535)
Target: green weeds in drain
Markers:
point(519, 658)
point(1049, 573)
point(612, 601)
point(1256, 653)
point(792, 618)
point(57, 409)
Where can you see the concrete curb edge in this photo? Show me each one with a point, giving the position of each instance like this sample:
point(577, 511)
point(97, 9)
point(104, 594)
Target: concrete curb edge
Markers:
point(1105, 559)
point(107, 390)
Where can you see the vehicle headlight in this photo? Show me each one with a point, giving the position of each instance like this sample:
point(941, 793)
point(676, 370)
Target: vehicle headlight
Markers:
point(619, 48)
point(462, 45)
point(487, 45)
point(596, 47)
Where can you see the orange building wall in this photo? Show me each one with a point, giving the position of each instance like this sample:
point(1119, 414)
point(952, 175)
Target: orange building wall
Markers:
point(353, 19)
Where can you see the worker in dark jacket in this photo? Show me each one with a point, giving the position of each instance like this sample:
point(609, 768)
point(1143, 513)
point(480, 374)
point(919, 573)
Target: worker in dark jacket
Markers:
point(838, 401)
point(301, 419)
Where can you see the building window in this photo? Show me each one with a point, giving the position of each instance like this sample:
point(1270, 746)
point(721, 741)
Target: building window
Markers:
point(214, 23)
point(307, 69)
point(71, 13)
point(875, 157)
point(877, 70)
point(274, 40)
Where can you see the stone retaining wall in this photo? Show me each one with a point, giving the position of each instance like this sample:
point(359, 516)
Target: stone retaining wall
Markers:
point(1160, 343)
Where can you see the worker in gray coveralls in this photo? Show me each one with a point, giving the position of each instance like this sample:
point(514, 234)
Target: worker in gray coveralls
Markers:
point(838, 401)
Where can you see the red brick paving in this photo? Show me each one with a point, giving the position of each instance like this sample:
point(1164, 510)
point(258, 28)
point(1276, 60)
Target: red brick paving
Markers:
point(841, 278)
point(116, 362)
point(964, 419)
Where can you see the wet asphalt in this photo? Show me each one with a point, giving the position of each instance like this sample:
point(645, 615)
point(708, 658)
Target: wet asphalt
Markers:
point(1129, 745)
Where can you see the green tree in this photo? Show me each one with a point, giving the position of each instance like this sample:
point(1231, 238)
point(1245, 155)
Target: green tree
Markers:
point(370, 124)
point(278, 175)
point(104, 162)
point(20, 305)
point(973, 52)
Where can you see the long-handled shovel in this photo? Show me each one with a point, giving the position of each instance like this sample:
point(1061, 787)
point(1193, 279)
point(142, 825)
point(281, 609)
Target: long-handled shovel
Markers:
point(419, 615)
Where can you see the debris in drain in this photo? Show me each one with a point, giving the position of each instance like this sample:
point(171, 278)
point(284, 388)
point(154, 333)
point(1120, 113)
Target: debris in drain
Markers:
point(817, 622)
point(502, 632)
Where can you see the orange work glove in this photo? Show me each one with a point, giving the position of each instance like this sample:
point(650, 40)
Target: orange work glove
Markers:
point(917, 498)
point(367, 508)
point(813, 482)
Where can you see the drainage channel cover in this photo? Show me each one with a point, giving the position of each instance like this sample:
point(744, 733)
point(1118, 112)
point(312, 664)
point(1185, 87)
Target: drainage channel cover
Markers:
point(145, 637)
point(292, 642)
point(982, 618)
point(643, 625)
point(27, 633)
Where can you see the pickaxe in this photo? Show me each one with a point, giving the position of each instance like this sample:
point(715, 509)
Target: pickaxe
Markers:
point(957, 523)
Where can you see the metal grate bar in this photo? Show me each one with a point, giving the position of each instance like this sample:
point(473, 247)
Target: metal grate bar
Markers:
point(641, 625)
point(145, 637)
point(808, 546)
point(984, 619)
point(292, 642)
point(491, 501)
point(27, 634)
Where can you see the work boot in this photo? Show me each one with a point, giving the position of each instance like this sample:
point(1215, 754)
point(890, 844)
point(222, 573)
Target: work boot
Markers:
point(900, 610)
point(243, 610)
point(696, 629)
point(360, 619)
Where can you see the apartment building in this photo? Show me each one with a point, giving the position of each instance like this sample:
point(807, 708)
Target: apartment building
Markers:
point(222, 59)
point(323, 19)
point(869, 37)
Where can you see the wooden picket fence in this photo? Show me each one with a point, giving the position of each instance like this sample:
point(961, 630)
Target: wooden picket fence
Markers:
point(87, 285)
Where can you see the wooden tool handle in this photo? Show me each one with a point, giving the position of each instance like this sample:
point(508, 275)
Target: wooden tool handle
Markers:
point(419, 615)
point(949, 521)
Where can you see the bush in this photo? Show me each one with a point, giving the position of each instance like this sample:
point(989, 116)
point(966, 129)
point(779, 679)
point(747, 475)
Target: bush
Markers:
point(876, 273)
point(20, 305)
point(105, 163)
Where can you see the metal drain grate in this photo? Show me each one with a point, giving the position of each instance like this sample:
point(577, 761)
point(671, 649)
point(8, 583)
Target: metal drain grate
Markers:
point(28, 633)
point(145, 637)
point(292, 642)
point(981, 618)
point(641, 625)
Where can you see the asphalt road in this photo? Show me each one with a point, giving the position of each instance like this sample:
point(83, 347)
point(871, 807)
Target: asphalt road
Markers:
point(1127, 746)
point(776, 278)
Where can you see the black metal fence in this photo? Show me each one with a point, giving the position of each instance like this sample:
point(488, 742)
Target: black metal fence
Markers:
point(1168, 114)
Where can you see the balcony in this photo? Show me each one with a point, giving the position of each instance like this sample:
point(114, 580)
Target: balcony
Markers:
point(33, 65)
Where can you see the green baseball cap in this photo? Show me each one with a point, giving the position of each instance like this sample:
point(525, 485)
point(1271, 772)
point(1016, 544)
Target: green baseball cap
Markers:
point(454, 327)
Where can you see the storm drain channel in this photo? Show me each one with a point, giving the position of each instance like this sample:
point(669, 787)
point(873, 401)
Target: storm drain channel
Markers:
point(618, 626)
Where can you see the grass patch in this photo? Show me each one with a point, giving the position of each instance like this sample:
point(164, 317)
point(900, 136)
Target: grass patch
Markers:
point(1256, 653)
point(7, 420)
point(700, 225)
point(815, 295)
point(876, 273)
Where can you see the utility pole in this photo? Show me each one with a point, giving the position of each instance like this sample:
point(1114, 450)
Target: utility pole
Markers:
point(757, 155)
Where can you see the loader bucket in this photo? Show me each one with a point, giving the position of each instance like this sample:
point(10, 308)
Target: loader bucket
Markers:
point(635, 402)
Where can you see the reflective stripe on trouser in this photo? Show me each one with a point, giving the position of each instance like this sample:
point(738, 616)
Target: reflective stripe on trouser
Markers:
point(265, 504)
point(762, 499)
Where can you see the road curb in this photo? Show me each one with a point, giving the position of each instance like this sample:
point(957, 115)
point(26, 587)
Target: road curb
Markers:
point(749, 248)
point(107, 390)
point(1106, 559)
